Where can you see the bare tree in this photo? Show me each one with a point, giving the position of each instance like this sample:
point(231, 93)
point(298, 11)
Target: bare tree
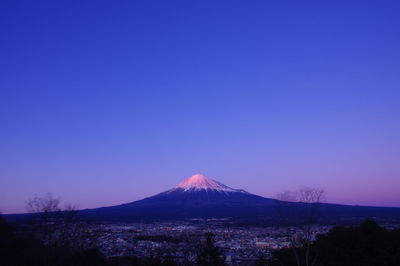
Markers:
point(69, 212)
point(44, 204)
point(45, 210)
point(54, 225)
point(71, 231)
point(299, 218)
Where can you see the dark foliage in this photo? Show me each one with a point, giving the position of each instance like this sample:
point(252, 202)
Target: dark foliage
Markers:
point(366, 245)
point(20, 248)
point(209, 254)
point(134, 261)
point(261, 261)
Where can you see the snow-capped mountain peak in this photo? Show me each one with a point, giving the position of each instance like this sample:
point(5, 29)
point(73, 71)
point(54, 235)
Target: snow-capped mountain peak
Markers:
point(201, 182)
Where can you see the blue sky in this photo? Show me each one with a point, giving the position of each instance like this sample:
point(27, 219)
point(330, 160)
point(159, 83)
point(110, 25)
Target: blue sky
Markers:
point(105, 102)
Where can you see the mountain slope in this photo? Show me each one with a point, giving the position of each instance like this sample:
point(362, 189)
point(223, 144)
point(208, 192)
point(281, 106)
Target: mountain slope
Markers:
point(196, 197)
point(202, 197)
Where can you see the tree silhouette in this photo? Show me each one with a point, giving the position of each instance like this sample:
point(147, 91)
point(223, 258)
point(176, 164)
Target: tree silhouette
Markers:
point(54, 225)
point(299, 219)
point(365, 245)
point(209, 254)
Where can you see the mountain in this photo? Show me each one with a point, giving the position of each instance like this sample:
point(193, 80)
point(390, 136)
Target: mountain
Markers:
point(196, 197)
point(200, 182)
point(203, 197)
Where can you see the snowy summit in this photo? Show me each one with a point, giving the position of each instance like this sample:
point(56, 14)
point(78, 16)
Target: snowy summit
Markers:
point(201, 182)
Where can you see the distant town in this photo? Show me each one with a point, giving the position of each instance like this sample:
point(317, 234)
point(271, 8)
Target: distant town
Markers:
point(181, 240)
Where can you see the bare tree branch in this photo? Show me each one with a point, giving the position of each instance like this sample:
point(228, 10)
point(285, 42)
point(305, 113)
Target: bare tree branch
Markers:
point(307, 215)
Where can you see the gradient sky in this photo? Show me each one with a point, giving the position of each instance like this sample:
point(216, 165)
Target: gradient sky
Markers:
point(106, 102)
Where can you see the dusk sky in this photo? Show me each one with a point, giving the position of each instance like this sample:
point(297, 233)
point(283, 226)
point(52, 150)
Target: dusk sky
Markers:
point(107, 102)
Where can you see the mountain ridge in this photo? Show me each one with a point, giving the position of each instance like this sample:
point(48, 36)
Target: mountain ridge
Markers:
point(201, 197)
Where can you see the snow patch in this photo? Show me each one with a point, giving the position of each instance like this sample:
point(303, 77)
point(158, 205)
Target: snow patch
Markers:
point(201, 182)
